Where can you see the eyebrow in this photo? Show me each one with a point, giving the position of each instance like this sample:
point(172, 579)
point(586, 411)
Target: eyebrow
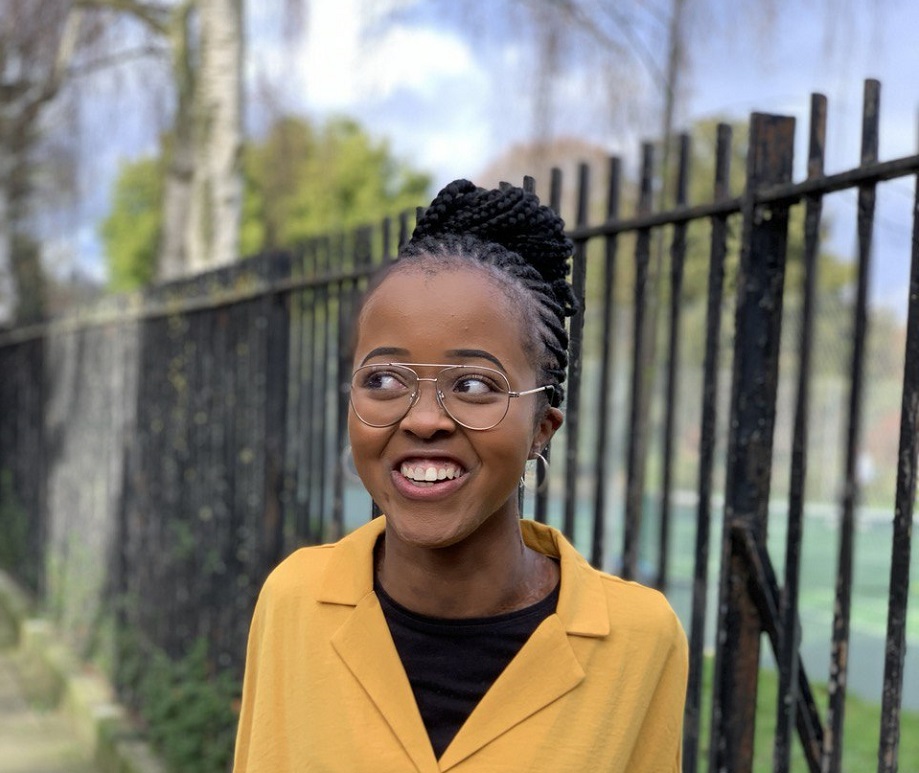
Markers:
point(385, 351)
point(390, 351)
point(477, 353)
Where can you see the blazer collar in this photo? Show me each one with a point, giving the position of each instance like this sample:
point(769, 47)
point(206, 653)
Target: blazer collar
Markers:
point(366, 648)
point(582, 606)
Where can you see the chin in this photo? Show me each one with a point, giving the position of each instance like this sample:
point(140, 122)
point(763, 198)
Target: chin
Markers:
point(429, 533)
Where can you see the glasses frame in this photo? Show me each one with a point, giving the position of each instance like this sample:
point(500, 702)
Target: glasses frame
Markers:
point(438, 394)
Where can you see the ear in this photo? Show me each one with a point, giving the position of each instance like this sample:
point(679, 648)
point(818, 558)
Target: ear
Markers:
point(546, 427)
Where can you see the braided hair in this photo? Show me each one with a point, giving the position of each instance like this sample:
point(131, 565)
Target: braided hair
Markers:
point(518, 242)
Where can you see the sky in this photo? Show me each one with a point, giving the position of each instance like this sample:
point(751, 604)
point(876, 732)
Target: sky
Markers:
point(451, 102)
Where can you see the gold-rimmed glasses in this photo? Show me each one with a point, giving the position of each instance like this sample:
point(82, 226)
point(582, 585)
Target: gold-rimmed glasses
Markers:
point(473, 396)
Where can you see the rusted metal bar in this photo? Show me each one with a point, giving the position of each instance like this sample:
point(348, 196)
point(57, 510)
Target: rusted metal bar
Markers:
point(575, 345)
point(832, 750)
point(677, 259)
point(608, 311)
point(758, 324)
point(895, 650)
point(789, 640)
point(707, 441)
point(764, 591)
point(542, 497)
point(638, 416)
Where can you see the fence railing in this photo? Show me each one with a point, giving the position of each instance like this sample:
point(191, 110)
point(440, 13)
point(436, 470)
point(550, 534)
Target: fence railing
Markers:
point(159, 454)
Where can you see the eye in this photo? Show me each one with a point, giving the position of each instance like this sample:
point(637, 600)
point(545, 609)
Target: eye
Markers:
point(384, 381)
point(476, 385)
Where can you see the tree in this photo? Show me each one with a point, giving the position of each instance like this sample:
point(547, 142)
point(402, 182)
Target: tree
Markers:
point(307, 181)
point(38, 40)
point(301, 181)
point(202, 190)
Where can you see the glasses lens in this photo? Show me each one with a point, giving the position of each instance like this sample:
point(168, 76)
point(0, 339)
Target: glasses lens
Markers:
point(475, 397)
point(382, 394)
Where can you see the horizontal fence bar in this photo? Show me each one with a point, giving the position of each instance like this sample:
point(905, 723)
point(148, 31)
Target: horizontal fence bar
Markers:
point(217, 299)
point(786, 193)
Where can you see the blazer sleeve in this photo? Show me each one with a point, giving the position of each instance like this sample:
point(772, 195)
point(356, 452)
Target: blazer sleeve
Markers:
point(661, 748)
point(241, 761)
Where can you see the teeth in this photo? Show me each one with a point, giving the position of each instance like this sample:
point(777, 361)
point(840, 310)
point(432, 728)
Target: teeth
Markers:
point(422, 473)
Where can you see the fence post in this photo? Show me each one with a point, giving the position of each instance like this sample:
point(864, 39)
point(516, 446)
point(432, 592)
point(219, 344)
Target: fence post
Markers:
point(758, 325)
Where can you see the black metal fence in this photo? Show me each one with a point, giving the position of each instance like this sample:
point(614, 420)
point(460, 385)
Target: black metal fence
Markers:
point(158, 455)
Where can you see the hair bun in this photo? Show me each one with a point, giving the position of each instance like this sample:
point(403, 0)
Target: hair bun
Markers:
point(509, 217)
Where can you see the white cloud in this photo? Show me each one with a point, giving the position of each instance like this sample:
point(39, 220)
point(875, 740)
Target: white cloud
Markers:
point(341, 66)
point(328, 61)
point(418, 59)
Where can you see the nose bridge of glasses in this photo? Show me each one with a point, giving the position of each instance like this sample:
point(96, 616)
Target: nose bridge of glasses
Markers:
point(437, 393)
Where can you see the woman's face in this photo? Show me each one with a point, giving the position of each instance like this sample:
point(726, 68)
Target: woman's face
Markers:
point(453, 317)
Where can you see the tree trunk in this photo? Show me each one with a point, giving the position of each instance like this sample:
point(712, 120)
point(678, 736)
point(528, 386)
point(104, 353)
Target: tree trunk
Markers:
point(178, 151)
point(203, 193)
point(216, 202)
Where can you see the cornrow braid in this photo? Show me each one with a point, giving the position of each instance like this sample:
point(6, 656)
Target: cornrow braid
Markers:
point(521, 243)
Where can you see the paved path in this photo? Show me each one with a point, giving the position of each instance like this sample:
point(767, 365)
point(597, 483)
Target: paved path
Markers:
point(31, 740)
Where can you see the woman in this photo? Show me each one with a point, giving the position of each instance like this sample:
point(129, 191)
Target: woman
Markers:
point(449, 634)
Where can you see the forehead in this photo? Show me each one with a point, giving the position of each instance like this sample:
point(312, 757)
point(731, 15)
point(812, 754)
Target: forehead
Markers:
point(428, 314)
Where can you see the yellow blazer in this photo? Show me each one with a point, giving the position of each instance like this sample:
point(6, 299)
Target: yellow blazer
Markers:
point(599, 686)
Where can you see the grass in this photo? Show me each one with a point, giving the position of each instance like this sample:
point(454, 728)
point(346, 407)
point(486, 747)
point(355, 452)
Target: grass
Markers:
point(860, 737)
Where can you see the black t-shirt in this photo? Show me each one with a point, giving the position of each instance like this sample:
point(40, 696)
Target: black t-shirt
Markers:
point(451, 663)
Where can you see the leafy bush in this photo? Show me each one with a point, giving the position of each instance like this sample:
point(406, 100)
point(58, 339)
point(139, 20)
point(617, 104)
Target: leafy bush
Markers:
point(187, 707)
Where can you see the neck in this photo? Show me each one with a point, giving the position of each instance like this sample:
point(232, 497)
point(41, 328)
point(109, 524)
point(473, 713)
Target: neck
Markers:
point(489, 573)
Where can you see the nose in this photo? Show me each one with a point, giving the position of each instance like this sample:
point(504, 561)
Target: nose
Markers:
point(427, 416)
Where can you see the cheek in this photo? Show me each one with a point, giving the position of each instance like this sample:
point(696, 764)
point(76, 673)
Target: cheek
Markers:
point(365, 441)
point(510, 451)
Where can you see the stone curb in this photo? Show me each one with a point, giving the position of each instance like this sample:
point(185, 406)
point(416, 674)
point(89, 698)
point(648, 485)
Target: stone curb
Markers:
point(53, 677)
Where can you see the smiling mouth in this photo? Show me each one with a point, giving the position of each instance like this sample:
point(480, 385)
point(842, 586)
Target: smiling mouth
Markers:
point(428, 474)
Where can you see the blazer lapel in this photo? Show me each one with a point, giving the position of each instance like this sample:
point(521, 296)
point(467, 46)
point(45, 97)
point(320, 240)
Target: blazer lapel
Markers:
point(524, 687)
point(364, 643)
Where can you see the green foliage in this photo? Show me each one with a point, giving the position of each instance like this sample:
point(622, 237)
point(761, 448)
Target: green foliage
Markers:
point(306, 181)
point(187, 706)
point(131, 232)
point(300, 181)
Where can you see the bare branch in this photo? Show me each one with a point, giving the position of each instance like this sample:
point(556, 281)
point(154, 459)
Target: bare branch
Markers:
point(154, 15)
point(118, 58)
point(70, 37)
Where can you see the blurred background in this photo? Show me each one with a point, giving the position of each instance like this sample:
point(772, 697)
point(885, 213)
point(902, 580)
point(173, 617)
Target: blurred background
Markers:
point(175, 175)
point(99, 105)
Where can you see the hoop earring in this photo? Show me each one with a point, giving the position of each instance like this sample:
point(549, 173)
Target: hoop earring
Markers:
point(347, 465)
point(536, 478)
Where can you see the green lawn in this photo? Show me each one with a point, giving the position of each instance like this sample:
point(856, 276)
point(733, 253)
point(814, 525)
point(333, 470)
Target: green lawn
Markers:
point(860, 742)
